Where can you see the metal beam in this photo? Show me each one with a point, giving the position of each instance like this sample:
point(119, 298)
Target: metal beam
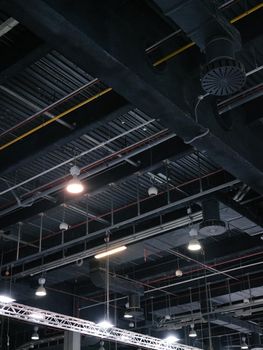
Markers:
point(17, 67)
point(51, 319)
point(118, 55)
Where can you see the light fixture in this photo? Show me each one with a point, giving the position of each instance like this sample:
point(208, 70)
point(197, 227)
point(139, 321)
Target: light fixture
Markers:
point(193, 245)
point(152, 191)
point(171, 339)
point(105, 324)
point(244, 345)
point(178, 273)
point(74, 185)
point(35, 335)
point(63, 226)
point(41, 290)
point(128, 314)
point(5, 294)
point(110, 252)
point(192, 332)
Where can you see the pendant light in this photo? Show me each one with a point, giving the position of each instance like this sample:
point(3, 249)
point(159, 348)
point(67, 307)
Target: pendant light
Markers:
point(192, 333)
point(244, 345)
point(41, 290)
point(35, 335)
point(194, 244)
point(75, 186)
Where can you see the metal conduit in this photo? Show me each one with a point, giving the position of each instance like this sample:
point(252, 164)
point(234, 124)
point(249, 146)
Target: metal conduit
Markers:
point(204, 277)
point(131, 204)
point(187, 46)
point(155, 64)
point(128, 240)
point(81, 177)
point(50, 121)
point(46, 109)
point(102, 144)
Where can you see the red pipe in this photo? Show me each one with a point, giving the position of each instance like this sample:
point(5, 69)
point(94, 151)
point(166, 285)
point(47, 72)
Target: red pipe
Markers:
point(123, 207)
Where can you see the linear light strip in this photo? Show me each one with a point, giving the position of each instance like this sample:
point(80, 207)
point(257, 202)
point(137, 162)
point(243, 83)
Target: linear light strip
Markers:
point(110, 252)
point(55, 320)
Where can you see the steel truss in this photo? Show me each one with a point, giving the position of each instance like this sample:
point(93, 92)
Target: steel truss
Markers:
point(51, 319)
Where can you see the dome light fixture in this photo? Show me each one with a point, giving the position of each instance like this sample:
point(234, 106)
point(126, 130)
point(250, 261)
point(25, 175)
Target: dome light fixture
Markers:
point(35, 335)
point(152, 191)
point(41, 290)
point(244, 345)
point(178, 273)
point(63, 226)
point(194, 245)
point(192, 333)
point(75, 186)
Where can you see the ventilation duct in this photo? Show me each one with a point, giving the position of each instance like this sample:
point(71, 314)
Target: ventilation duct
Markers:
point(236, 324)
point(116, 284)
point(134, 309)
point(222, 75)
point(211, 224)
point(256, 342)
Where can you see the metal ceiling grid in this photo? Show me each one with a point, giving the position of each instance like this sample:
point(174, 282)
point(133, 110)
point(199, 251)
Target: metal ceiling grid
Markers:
point(93, 138)
point(118, 195)
point(44, 82)
point(121, 194)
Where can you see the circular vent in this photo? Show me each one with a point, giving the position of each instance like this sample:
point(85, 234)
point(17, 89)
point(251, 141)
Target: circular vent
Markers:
point(223, 77)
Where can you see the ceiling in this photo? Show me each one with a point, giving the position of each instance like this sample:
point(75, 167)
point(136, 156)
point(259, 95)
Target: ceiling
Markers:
point(117, 89)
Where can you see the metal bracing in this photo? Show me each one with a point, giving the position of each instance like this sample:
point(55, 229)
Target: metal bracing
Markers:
point(51, 319)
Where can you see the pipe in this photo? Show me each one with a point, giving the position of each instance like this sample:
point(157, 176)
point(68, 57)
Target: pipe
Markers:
point(251, 94)
point(169, 277)
point(68, 111)
point(173, 54)
point(186, 47)
point(90, 252)
point(131, 204)
point(157, 43)
point(76, 157)
point(246, 13)
point(46, 109)
point(82, 176)
point(204, 277)
point(155, 64)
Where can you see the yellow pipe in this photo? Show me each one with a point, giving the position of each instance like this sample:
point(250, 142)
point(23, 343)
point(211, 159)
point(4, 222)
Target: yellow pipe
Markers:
point(186, 47)
point(246, 13)
point(155, 64)
point(172, 54)
point(21, 137)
